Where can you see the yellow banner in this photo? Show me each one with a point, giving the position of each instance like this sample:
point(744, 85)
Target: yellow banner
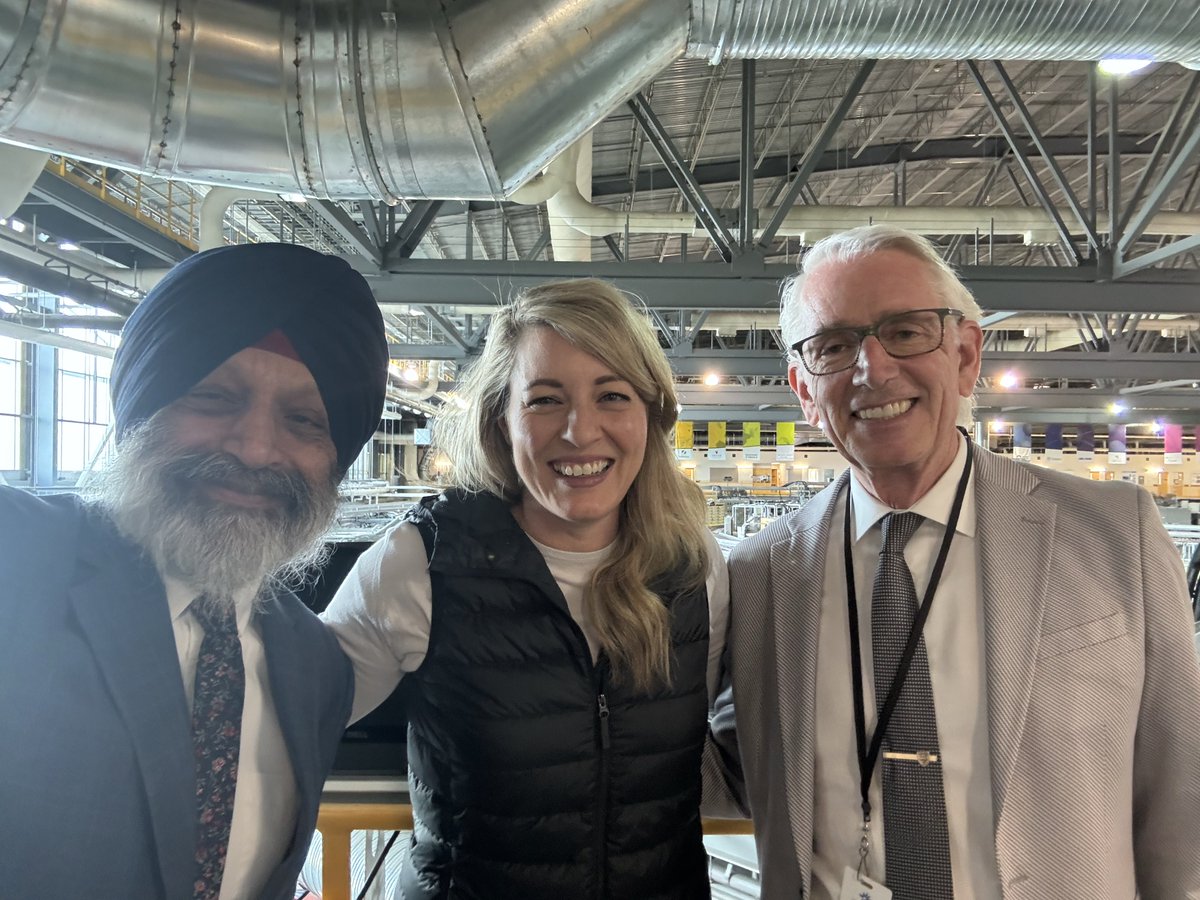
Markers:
point(716, 435)
point(785, 434)
point(684, 436)
point(751, 434)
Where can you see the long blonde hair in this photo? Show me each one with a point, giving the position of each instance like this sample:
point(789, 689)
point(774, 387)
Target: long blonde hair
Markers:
point(661, 530)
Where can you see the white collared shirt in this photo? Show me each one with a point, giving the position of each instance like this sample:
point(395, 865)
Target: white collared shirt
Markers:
point(954, 640)
point(266, 803)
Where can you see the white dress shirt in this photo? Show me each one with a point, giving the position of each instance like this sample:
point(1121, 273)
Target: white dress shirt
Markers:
point(382, 611)
point(954, 640)
point(266, 802)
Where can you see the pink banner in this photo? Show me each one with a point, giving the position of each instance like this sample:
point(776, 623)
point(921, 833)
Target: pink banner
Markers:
point(1172, 438)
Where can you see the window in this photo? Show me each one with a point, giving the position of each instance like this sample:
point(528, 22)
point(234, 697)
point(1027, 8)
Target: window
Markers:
point(13, 406)
point(84, 412)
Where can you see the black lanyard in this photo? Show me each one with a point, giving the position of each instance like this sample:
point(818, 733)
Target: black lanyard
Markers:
point(868, 756)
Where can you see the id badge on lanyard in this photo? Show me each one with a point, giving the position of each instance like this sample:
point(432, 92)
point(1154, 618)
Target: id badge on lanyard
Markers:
point(856, 886)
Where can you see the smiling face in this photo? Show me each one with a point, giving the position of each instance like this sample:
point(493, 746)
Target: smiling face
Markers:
point(232, 481)
point(893, 419)
point(265, 411)
point(578, 435)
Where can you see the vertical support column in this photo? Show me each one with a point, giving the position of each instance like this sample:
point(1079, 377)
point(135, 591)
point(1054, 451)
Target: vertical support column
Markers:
point(1092, 131)
point(43, 471)
point(746, 216)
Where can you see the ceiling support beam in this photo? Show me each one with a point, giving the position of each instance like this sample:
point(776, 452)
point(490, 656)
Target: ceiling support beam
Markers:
point(746, 208)
point(809, 163)
point(347, 229)
point(412, 230)
point(1039, 189)
point(1056, 171)
point(682, 175)
point(726, 171)
point(1182, 155)
point(446, 327)
point(614, 248)
point(61, 283)
point(750, 283)
point(1170, 131)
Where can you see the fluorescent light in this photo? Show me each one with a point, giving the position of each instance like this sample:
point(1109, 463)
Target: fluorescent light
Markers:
point(712, 379)
point(17, 225)
point(1009, 380)
point(1116, 66)
point(1116, 409)
point(67, 245)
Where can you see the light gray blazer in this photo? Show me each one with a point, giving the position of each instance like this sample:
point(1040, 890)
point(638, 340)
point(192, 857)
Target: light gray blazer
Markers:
point(1093, 690)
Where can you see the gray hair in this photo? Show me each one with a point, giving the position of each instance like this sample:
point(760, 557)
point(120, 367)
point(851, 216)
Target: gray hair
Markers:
point(862, 241)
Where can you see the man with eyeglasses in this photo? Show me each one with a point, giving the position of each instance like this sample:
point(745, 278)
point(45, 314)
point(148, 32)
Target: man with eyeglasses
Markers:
point(953, 675)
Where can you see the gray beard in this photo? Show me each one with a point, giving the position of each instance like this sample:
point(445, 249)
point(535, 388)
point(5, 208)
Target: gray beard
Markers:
point(153, 493)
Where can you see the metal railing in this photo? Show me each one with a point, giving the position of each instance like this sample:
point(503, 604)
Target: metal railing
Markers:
point(336, 821)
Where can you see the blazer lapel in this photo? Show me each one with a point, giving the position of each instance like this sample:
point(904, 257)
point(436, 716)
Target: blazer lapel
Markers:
point(1015, 533)
point(292, 691)
point(122, 610)
point(798, 580)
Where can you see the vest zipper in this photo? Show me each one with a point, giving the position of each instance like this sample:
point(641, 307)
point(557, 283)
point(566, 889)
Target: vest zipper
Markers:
point(602, 713)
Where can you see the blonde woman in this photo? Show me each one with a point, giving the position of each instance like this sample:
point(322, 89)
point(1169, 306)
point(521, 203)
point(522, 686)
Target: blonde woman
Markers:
point(557, 617)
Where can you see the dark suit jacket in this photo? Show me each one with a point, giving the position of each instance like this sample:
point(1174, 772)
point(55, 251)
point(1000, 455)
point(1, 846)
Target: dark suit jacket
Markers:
point(1093, 689)
point(96, 763)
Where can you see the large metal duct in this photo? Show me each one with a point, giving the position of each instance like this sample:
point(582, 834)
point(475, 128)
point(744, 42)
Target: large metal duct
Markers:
point(453, 98)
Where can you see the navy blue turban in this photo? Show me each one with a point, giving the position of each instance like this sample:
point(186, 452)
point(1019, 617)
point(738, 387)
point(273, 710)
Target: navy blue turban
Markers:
point(217, 303)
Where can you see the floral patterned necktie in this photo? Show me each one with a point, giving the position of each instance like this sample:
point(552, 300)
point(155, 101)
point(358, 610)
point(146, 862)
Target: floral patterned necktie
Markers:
point(216, 735)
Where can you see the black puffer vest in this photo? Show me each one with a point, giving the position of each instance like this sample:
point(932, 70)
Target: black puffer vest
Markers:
point(531, 774)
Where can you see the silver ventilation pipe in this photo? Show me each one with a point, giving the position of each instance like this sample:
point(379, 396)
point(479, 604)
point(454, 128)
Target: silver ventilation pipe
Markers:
point(465, 99)
point(335, 99)
point(1161, 30)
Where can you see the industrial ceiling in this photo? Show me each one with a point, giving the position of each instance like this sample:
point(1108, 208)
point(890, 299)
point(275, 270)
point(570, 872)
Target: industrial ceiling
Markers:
point(688, 151)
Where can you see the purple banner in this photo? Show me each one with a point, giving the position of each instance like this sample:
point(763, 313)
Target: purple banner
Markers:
point(1054, 439)
point(1085, 439)
point(1116, 438)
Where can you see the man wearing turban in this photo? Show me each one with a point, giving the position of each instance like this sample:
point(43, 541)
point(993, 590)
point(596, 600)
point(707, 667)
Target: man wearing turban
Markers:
point(170, 709)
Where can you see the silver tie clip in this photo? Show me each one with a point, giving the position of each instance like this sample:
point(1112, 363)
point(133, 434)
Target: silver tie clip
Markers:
point(921, 757)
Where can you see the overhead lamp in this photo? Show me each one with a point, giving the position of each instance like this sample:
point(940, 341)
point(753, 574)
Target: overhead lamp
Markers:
point(411, 375)
point(293, 197)
point(1156, 427)
point(17, 225)
point(1116, 409)
point(67, 245)
point(997, 425)
point(1122, 66)
point(1008, 380)
point(712, 379)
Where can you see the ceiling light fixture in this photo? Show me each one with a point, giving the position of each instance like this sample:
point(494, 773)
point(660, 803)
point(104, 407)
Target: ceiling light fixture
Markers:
point(1117, 66)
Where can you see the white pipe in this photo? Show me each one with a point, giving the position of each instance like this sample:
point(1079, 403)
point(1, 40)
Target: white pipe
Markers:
point(52, 339)
point(212, 212)
point(811, 223)
point(19, 169)
point(571, 244)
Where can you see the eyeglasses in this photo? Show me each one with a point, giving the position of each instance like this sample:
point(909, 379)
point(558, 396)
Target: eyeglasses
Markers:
point(902, 335)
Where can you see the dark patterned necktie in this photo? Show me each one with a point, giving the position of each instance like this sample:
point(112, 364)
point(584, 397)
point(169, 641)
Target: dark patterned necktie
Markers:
point(916, 841)
point(216, 734)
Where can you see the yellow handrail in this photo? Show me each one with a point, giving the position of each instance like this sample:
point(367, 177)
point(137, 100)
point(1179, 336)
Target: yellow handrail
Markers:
point(335, 821)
